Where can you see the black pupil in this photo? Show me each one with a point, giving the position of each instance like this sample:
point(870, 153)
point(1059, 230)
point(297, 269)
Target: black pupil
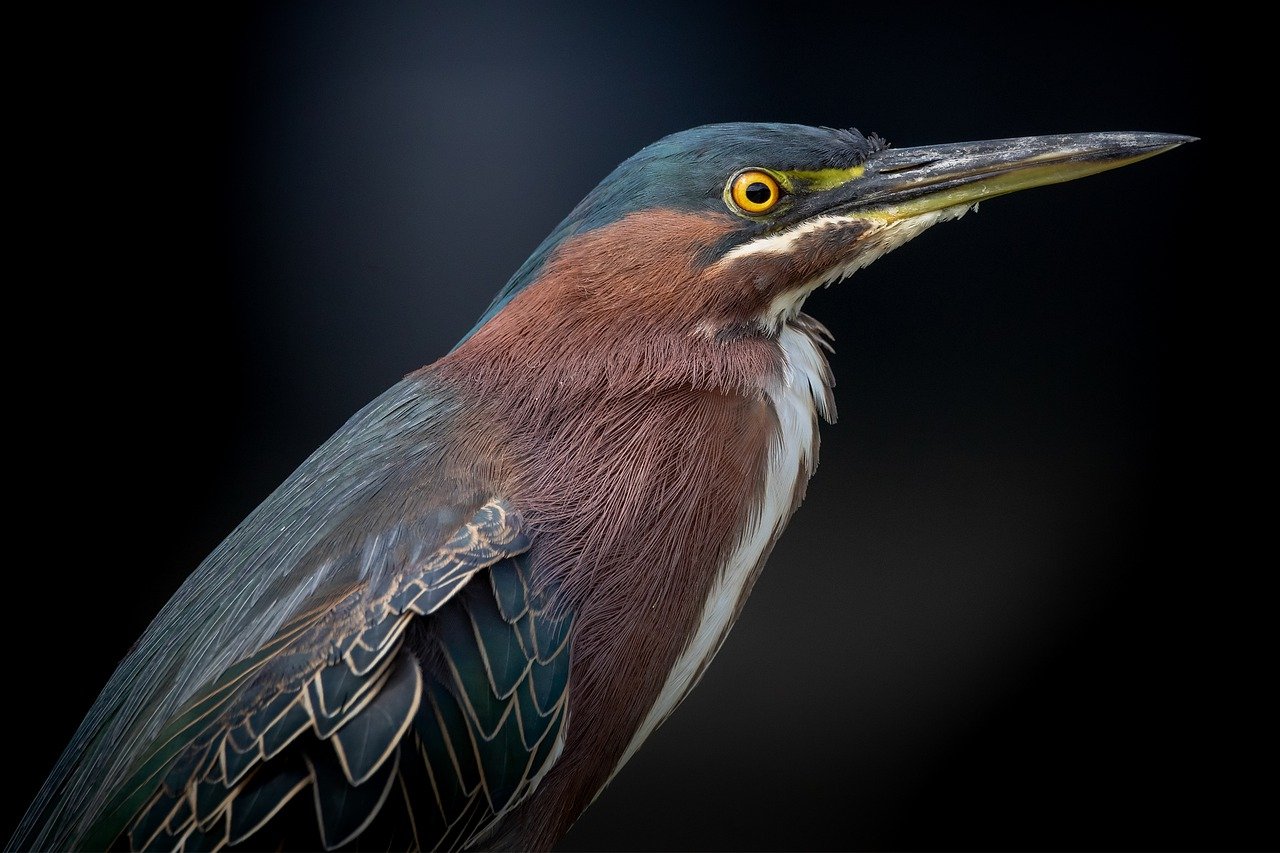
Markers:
point(759, 192)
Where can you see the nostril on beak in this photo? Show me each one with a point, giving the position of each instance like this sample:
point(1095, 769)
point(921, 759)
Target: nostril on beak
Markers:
point(907, 167)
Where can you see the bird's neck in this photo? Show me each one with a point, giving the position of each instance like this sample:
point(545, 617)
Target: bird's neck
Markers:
point(656, 465)
point(654, 510)
point(624, 309)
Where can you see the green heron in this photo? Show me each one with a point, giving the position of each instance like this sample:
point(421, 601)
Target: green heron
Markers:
point(458, 619)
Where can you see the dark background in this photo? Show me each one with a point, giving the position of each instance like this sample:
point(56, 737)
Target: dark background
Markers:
point(1008, 615)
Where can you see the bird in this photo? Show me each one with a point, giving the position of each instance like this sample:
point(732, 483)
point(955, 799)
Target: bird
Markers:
point(457, 620)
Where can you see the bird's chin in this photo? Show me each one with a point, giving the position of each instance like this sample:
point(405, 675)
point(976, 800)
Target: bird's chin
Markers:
point(887, 232)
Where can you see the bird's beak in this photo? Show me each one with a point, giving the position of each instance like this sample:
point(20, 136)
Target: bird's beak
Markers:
point(903, 183)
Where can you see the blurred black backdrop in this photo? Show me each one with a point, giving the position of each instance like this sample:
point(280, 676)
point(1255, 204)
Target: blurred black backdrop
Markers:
point(1001, 620)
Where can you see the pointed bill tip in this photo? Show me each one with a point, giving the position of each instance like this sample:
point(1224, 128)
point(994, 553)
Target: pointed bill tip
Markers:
point(907, 182)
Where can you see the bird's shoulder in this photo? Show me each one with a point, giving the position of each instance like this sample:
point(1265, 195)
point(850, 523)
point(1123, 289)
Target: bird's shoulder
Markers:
point(290, 659)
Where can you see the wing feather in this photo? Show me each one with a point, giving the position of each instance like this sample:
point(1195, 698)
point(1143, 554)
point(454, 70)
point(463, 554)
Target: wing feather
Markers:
point(360, 636)
point(306, 694)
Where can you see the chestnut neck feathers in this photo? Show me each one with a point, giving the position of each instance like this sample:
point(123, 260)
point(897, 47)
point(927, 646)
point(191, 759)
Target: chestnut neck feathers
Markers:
point(638, 442)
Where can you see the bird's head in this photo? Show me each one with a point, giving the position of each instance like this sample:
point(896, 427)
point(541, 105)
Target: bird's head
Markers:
point(719, 233)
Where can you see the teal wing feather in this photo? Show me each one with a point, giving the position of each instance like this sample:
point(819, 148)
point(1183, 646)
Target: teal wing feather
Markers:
point(366, 658)
point(482, 738)
point(325, 705)
point(431, 727)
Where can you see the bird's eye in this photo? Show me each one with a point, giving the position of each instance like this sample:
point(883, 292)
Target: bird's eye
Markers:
point(754, 192)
